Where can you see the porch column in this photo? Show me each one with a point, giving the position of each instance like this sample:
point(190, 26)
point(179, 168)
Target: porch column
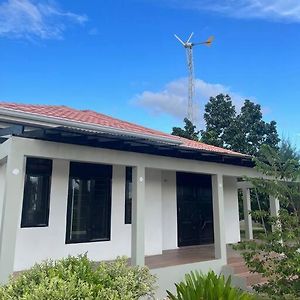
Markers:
point(274, 207)
point(219, 218)
point(247, 216)
point(138, 216)
point(11, 211)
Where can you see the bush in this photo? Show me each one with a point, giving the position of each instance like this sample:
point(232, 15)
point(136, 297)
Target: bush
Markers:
point(78, 278)
point(197, 286)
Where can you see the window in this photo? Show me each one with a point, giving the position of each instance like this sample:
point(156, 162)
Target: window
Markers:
point(89, 203)
point(128, 195)
point(35, 211)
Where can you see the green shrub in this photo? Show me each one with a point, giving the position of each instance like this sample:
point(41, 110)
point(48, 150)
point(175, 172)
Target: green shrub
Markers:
point(197, 286)
point(78, 278)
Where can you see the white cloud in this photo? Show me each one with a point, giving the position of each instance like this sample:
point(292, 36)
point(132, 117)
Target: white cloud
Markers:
point(172, 99)
point(285, 10)
point(35, 19)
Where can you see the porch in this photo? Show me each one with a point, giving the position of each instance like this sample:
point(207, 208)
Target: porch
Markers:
point(180, 256)
point(154, 234)
point(187, 255)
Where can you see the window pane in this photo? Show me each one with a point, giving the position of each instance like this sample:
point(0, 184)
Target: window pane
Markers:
point(128, 195)
point(35, 210)
point(79, 212)
point(89, 203)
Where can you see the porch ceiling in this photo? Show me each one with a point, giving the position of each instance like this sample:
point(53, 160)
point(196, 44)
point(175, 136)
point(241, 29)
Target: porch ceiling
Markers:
point(119, 142)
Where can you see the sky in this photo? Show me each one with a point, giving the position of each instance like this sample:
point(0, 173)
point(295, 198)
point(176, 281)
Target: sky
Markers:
point(121, 58)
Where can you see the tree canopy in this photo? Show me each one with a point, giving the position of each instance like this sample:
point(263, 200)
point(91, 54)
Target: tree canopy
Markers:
point(244, 132)
point(188, 132)
point(219, 114)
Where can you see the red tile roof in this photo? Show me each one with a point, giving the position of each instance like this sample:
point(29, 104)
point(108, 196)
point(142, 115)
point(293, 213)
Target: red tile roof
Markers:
point(95, 118)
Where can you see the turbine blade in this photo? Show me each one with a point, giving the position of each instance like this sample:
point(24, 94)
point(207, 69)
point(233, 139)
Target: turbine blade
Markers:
point(179, 40)
point(209, 41)
point(190, 37)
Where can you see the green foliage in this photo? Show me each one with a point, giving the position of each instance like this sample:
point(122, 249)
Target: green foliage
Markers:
point(276, 255)
point(189, 131)
point(250, 132)
point(286, 157)
point(219, 114)
point(245, 132)
point(197, 286)
point(288, 151)
point(78, 278)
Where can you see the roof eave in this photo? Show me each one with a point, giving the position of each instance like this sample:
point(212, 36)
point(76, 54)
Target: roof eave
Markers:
point(56, 122)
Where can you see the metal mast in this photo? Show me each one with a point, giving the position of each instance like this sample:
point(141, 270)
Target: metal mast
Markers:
point(191, 83)
point(191, 75)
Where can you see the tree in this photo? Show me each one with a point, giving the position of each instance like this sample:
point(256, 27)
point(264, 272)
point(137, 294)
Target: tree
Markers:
point(276, 254)
point(287, 151)
point(245, 132)
point(249, 132)
point(219, 114)
point(189, 131)
point(271, 135)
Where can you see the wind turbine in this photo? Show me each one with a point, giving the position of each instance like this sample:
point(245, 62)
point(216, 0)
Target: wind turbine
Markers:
point(188, 45)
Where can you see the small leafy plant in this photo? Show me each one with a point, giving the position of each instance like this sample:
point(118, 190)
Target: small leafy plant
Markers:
point(197, 286)
point(77, 278)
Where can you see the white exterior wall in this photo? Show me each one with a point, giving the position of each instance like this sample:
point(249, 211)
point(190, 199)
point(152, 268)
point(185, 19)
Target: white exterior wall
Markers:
point(169, 210)
point(231, 210)
point(2, 185)
point(153, 212)
point(39, 243)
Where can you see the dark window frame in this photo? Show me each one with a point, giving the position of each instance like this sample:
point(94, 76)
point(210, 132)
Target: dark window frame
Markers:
point(37, 167)
point(128, 199)
point(87, 175)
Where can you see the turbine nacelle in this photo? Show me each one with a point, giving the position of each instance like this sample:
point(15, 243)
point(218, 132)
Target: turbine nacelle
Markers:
point(186, 44)
point(189, 44)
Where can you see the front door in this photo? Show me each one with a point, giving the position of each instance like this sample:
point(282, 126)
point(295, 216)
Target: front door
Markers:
point(194, 209)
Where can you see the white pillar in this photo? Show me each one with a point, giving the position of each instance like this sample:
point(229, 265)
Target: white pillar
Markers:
point(247, 216)
point(274, 208)
point(138, 216)
point(219, 219)
point(11, 211)
point(2, 187)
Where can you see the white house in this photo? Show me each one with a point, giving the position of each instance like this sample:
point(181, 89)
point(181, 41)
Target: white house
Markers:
point(76, 181)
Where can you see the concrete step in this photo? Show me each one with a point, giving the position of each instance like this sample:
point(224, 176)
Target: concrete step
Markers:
point(238, 267)
point(235, 259)
point(240, 274)
point(251, 278)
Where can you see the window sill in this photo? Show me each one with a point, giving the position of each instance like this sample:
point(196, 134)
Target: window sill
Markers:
point(35, 226)
point(87, 241)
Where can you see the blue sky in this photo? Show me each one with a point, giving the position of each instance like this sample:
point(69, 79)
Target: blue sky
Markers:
point(121, 58)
